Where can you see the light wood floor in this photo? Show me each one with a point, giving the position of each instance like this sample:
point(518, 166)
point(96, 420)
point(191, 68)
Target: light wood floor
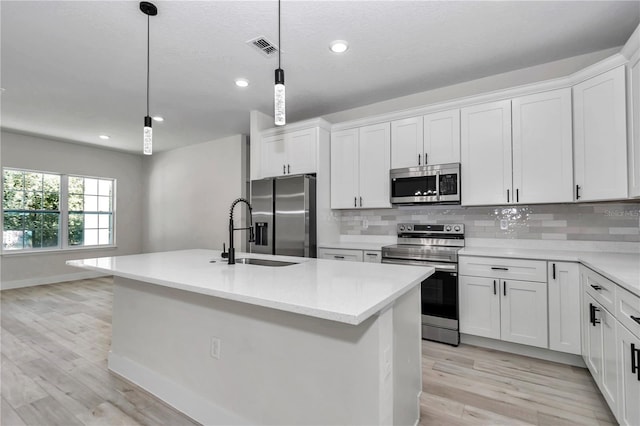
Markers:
point(55, 339)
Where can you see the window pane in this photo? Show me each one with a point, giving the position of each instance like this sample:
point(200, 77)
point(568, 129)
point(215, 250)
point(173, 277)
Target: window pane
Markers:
point(13, 179)
point(104, 221)
point(13, 221)
point(90, 186)
point(104, 187)
point(90, 237)
point(33, 201)
point(90, 221)
point(51, 183)
point(76, 229)
point(76, 185)
point(51, 201)
point(33, 181)
point(50, 229)
point(76, 203)
point(104, 204)
point(13, 200)
point(90, 203)
point(104, 236)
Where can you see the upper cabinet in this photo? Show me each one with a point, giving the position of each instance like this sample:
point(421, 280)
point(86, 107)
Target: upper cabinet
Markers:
point(486, 153)
point(542, 148)
point(432, 139)
point(600, 152)
point(518, 151)
point(290, 153)
point(633, 102)
point(360, 167)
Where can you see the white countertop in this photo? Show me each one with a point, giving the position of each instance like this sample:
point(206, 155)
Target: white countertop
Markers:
point(348, 292)
point(621, 268)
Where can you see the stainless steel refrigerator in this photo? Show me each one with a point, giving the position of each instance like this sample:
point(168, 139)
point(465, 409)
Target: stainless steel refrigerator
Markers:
point(284, 215)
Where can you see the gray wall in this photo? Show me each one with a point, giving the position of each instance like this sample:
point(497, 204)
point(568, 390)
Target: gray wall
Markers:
point(37, 153)
point(592, 222)
point(188, 194)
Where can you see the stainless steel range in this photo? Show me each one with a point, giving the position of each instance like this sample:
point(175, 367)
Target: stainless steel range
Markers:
point(435, 245)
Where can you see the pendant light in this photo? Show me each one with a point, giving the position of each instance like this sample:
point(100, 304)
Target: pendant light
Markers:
point(279, 106)
point(148, 9)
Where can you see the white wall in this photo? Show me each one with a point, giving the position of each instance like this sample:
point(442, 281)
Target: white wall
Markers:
point(38, 153)
point(188, 194)
point(492, 83)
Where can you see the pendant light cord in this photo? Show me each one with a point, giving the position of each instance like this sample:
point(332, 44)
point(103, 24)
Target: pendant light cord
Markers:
point(148, 17)
point(279, 44)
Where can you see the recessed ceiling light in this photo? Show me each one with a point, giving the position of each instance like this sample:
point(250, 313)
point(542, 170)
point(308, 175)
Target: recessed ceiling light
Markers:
point(104, 137)
point(339, 46)
point(158, 118)
point(242, 82)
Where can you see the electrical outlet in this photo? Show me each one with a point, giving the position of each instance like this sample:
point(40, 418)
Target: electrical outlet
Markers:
point(504, 224)
point(215, 347)
point(365, 223)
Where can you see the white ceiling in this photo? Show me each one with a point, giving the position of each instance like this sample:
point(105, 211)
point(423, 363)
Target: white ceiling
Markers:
point(76, 69)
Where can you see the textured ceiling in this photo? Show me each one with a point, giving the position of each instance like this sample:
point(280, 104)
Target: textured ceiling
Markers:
point(76, 69)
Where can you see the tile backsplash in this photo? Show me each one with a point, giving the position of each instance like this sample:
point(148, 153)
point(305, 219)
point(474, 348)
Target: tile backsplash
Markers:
point(588, 222)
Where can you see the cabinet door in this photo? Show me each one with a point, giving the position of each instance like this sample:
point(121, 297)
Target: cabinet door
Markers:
point(479, 306)
point(273, 156)
point(374, 153)
point(344, 169)
point(592, 310)
point(633, 100)
point(406, 143)
point(301, 150)
point(340, 254)
point(523, 310)
point(542, 148)
point(609, 384)
point(442, 137)
point(372, 256)
point(486, 153)
point(629, 367)
point(600, 162)
point(564, 307)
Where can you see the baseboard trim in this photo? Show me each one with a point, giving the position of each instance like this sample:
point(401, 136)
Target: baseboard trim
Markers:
point(531, 351)
point(51, 279)
point(177, 396)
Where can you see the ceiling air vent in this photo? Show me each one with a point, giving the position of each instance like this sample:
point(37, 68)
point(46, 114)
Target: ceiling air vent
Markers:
point(263, 45)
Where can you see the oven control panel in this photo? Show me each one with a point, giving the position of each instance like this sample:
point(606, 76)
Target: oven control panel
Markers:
point(420, 228)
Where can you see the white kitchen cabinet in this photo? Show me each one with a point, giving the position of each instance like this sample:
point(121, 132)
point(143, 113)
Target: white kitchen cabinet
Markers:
point(629, 374)
point(344, 169)
point(407, 143)
point(432, 139)
point(485, 153)
point(360, 162)
point(600, 137)
point(601, 348)
point(372, 256)
point(493, 304)
point(542, 148)
point(290, 153)
point(352, 255)
point(479, 306)
point(633, 105)
point(442, 137)
point(564, 307)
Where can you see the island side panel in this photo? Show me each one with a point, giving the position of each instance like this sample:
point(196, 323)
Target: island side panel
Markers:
point(274, 367)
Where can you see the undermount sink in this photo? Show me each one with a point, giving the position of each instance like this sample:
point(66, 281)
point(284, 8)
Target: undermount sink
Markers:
point(263, 262)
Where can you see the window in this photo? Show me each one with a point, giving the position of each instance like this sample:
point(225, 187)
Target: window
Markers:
point(47, 211)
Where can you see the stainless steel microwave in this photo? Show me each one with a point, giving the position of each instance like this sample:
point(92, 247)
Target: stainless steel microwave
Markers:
point(438, 183)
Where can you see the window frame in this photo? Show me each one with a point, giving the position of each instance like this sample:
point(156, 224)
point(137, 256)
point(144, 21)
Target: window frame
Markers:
point(63, 241)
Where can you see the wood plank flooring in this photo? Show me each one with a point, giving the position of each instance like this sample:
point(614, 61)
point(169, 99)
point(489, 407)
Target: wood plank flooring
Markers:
point(55, 340)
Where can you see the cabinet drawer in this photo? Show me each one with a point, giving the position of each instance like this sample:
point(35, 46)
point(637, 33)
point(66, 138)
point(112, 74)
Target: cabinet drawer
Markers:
point(628, 310)
point(601, 289)
point(508, 269)
point(340, 254)
point(372, 256)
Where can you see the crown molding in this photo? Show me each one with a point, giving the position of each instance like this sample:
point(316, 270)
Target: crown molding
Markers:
point(300, 125)
point(632, 46)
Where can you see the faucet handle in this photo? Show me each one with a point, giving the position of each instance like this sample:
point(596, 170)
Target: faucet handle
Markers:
point(224, 254)
point(252, 236)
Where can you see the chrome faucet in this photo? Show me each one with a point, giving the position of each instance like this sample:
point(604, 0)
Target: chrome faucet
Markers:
point(232, 250)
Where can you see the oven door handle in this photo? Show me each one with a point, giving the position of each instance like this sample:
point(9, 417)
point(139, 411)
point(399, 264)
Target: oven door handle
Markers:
point(450, 267)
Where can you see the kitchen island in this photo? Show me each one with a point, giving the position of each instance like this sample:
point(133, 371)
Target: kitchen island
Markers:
point(315, 342)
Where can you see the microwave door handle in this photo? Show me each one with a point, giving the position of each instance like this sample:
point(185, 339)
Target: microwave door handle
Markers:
point(438, 185)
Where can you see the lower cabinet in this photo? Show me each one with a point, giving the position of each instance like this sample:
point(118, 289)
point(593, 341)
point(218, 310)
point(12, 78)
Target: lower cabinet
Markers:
point(629, 367)
point(510, 310)
point(353, 255)
point(564, 307)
